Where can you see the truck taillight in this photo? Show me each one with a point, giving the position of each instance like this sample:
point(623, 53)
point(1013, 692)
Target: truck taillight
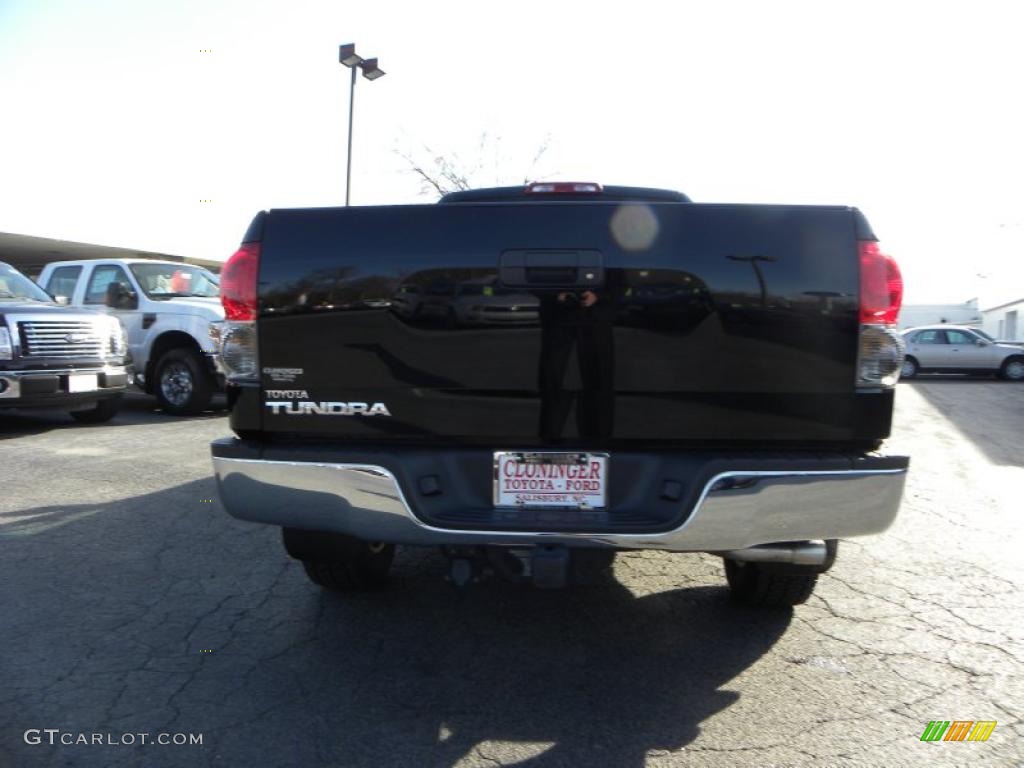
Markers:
point(238, 283)
point(237, 350)
point(881, 285)
point(880, 348)
point(236, 337)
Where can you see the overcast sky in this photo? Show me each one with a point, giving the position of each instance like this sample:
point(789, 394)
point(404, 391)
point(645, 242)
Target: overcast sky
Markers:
point(115, 123)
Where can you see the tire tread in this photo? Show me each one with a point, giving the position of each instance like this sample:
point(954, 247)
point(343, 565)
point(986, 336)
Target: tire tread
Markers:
point(1006, 364)
point(202, 383)
point(102, 412)
point(770, 585)
point(353, 571)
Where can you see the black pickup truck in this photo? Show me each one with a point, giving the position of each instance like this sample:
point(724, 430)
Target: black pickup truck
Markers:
point(52, 356)
point(641, 372)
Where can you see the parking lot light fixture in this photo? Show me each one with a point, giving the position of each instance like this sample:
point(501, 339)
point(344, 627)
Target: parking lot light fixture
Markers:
point(370, 69)
point(347, 55)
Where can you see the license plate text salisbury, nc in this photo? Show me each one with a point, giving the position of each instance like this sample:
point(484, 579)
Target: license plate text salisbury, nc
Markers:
point(550, 483)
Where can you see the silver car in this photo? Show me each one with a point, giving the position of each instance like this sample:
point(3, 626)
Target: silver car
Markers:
point(957, 349)
point(483, 302)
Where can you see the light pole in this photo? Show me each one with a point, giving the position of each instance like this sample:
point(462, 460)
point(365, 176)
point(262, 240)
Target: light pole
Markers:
point(347, 55)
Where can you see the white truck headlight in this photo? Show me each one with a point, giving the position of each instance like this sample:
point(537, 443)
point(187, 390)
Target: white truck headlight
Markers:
point(118, 337)
point(6, 348)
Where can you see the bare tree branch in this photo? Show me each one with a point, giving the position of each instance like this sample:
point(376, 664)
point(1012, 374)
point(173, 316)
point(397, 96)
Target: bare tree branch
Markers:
point(441, 174)
point(426, 179)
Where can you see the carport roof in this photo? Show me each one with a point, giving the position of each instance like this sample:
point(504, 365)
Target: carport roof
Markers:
point(30, 254)
point(1001, 306)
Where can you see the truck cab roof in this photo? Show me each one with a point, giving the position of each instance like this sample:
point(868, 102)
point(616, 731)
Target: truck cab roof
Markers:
point(536, 193)
point(74, 262)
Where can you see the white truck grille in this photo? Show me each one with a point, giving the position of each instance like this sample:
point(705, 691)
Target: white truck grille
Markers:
point(63, 338)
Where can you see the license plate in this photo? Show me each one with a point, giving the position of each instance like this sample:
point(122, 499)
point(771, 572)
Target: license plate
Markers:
point(524, 479)
point(83, 382)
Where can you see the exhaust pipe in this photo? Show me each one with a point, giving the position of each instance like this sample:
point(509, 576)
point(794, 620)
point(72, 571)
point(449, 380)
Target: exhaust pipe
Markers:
point(798, 553)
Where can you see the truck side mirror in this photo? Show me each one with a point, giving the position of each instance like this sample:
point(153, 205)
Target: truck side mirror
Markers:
point(119, 297)
point(62, 300)
point(128, 300)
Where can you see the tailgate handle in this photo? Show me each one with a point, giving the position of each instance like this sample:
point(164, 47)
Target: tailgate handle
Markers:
point(546, 268)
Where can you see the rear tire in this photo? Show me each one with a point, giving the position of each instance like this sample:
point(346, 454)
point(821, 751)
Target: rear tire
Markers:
point(909, 368)
point(182, 386)
point(339, 562)
point(1012, 369)
point(104, 410)
point(769, 585)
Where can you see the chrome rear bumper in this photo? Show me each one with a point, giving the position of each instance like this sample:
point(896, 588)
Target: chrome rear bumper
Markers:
point(737, 509)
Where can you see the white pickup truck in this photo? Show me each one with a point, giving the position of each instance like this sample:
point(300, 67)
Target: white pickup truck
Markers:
point(167, 309)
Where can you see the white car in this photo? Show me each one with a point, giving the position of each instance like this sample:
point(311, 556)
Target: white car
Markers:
point(167, 309)
point(959, 349)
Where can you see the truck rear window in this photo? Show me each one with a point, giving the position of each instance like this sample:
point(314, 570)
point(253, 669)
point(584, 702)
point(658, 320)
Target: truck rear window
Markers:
point(63, 281)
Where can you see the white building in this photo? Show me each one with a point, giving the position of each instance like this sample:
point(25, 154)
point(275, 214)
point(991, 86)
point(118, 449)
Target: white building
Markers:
point(912, 315)
point(1005, 321)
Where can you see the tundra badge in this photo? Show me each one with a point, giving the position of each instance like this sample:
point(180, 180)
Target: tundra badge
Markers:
point(328, 409)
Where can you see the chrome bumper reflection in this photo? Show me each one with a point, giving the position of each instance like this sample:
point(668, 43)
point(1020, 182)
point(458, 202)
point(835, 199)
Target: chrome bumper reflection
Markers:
point(736, 510)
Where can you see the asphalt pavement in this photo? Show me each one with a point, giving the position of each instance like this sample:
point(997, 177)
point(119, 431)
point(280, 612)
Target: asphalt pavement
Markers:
point(131, 604)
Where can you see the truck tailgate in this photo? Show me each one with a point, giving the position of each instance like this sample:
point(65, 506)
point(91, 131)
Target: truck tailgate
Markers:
point(525, 324)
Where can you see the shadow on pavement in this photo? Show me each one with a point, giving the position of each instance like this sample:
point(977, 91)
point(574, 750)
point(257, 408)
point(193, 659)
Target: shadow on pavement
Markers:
point(989, 413)
point(598, 674)
point(111, 604)
point(136, 408)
